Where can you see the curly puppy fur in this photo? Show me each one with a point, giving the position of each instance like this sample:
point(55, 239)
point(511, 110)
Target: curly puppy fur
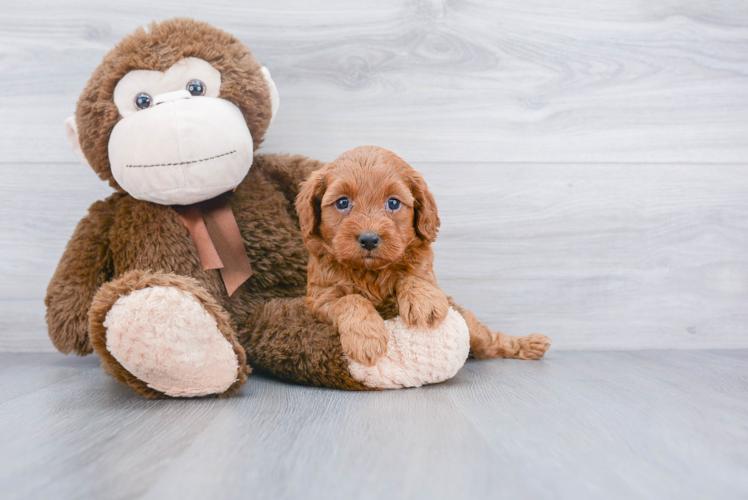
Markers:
point(354, 285)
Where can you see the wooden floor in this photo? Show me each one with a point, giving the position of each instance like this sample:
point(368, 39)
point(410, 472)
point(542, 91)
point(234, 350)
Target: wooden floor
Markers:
point(640, 424)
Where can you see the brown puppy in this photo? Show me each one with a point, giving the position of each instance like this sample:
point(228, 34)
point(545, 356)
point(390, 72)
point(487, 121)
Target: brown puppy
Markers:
point(368, 221)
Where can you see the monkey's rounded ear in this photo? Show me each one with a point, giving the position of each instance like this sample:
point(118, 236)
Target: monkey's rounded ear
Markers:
point(71, 130)
point(274, 97)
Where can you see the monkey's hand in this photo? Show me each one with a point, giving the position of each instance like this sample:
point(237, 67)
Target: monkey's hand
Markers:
point(82, 270)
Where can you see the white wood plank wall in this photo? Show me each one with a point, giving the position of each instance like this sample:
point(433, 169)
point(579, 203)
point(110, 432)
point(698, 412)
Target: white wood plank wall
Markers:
point(589, 157)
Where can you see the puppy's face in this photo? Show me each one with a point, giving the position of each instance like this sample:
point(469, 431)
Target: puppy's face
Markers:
point(366, 208)
point(367, 216)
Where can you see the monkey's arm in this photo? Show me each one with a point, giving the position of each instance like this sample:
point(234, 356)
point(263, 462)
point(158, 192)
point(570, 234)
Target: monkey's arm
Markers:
point(85, 265)
point(287, 172)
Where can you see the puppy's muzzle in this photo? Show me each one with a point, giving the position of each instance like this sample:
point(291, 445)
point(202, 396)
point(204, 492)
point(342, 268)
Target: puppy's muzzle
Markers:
point(369, 240)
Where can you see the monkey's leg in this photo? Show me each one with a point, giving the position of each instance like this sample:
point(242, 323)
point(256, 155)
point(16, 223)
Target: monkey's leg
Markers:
point(283, 339)
point(165, 336)
point(487, 344)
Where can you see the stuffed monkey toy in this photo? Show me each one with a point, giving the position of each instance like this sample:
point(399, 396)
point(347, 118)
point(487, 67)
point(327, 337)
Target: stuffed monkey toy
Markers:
point(199, 231)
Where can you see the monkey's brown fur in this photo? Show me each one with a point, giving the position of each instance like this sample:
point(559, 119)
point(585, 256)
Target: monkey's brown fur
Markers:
point(125, 244)
point(351, 291)
point(283, 339)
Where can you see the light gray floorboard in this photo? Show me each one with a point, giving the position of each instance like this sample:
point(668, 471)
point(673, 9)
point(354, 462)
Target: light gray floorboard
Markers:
point(629, 425)
point(597, 256)
point(478, 80)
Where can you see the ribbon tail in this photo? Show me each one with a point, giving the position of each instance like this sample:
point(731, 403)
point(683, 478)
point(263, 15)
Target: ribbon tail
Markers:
point(192, 217)
point(224, 233)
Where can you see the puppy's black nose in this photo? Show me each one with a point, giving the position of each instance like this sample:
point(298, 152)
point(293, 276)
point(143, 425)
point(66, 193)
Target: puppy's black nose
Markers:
point(369, 240)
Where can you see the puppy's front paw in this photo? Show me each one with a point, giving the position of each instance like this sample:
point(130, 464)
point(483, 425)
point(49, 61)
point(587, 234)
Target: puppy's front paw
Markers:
point(365, 342)
point(533, 346)
point(424, 307)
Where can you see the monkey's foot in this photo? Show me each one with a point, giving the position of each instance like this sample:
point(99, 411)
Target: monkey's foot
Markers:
point(166, 338)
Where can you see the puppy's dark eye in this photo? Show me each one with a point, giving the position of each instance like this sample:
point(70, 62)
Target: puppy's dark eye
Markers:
point(342, 204)
point(143, 101)
point(393, 204)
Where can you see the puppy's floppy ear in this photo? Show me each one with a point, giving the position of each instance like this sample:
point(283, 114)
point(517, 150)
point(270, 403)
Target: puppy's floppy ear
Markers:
point(309, 207)
point(426, 219)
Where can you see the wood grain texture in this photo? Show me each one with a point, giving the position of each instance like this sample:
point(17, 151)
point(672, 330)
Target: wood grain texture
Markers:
point(598, 256)
point(595, 256)
point(614, 425)
point(566, 240)
point(518, 80)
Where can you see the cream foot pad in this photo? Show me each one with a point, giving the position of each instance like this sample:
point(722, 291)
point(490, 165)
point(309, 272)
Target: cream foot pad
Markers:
point(166, 338)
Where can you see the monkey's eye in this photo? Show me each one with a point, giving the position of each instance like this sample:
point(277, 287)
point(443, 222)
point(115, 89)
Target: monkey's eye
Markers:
point(196, 87)
point(342, 204)
point(393, 204)
point(143, 101)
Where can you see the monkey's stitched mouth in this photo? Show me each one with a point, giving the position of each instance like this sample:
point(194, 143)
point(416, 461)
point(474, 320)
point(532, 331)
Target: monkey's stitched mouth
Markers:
point(181, 162)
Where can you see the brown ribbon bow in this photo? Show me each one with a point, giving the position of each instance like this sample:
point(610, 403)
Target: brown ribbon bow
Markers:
point(219, 243)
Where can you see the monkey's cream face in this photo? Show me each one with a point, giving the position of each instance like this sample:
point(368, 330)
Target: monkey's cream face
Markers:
point(177, 142)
